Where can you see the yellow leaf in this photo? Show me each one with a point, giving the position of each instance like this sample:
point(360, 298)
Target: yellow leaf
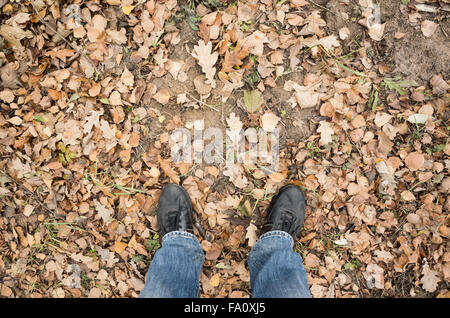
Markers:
point(15, 120)
point(215, 280)
point(119, 247)
point(127, 9)
point(7, 9)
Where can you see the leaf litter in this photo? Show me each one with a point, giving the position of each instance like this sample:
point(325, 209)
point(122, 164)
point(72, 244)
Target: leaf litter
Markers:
point(85, 147)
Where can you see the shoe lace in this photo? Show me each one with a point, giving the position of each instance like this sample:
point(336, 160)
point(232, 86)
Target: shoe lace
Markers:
point(287, 221)
point(172, 219)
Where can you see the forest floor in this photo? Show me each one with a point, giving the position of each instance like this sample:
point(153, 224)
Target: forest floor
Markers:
point(91, 92)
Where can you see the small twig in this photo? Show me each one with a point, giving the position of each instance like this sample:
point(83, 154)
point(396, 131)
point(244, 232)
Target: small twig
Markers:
point(62, 37)
point(199, 101)
point(322, 7)
point(443, 31)
point(28, 191)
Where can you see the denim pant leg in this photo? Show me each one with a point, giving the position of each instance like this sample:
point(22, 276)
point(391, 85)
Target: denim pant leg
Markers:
point(175, 269)
point(276, 271)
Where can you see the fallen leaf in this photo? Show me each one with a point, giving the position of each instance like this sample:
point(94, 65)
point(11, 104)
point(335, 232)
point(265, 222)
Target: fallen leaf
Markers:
point(269, 122)
point(206, 59)
point(376, 31)
point(7, 96)
point(28, 209)
point(429, 279)
point(15, 120)
point(344, 33)
point(251, 234)
point(439, 85)
point(418, 118)
point(162, 96)
point(414, 161)
point(127, 9)
point(166, 167)
point(326, 132)
point(214, 280)
point(104, 213)
point(428, 28)
point(119, 247)
point(253, 100)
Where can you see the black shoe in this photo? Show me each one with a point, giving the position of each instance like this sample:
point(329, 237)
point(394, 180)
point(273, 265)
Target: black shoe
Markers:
point(286, 211)
point(174, 210)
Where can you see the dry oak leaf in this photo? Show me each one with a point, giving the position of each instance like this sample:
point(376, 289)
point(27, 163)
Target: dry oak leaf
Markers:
point(251, 234)
point(326, 132)
point(206, 59)
point(104, 213)
point(234, 58)
point(306, 96)
point(414, 161)
point(382, 119)
point(429, 279)
point(374, 276)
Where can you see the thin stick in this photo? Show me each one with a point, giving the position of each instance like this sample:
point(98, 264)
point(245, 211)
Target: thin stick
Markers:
point(322, 7)
point(28, 191)
point(63, 38)
point(443, 31)
point(199, 101)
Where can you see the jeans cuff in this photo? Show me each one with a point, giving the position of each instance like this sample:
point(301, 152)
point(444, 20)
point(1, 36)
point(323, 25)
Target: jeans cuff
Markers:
point(281, 234)
point(184, 234)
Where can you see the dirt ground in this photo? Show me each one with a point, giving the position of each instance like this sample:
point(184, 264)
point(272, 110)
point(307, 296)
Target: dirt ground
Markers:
point(408, 57)
point(391, 240)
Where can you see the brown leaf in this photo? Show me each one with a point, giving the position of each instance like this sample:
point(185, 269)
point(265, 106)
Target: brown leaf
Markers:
point(212, 251)
point(214, 280)
point(429, 279)
point(119, 247)
point(162, 96)
point(428, 28)
point(414, 161)
point(166, 167)
point(136, 246)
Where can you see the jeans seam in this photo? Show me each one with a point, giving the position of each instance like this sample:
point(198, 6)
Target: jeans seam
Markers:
point(180, 234)
point(277, 234)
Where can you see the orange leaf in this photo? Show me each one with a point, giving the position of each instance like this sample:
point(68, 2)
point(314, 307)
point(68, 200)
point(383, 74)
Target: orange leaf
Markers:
point(165, 166)
point(214, 280)
point(119, 247)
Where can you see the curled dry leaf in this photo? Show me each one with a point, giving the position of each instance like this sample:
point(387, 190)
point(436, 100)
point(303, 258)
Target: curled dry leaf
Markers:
point(162, 96)
point(168, 170)
point(269, 121)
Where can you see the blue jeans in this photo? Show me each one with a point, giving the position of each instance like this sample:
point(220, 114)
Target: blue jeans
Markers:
point(276, 271)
